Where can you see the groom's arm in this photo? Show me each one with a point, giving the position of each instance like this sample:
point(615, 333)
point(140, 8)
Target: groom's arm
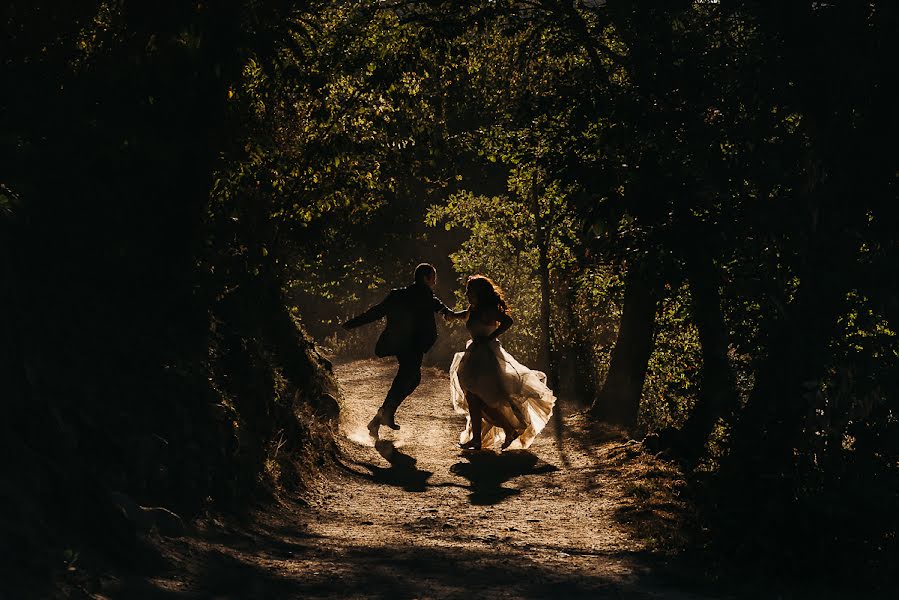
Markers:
point(462, 314)
point(448, 313)
point(440, 307)
point(372, 314)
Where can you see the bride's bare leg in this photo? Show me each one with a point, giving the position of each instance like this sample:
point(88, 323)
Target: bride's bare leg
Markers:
point(510, 430)
point(474, 413)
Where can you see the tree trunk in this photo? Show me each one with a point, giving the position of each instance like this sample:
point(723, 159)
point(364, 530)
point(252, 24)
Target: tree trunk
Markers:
point(619, 400)
point(764, 439)
point(578, 362)
point(718, 393)
point(545, 325)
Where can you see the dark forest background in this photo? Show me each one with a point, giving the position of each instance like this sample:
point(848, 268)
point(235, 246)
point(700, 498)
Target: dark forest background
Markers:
point(691, 207)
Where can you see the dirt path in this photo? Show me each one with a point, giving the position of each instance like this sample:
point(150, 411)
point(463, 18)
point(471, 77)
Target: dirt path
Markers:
point(519, 524)
point(413, 517)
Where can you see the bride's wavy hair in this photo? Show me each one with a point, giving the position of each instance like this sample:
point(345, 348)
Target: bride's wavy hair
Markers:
point(487, 292)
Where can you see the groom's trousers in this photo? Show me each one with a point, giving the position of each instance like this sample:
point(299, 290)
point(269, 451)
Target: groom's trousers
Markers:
point(407, 379)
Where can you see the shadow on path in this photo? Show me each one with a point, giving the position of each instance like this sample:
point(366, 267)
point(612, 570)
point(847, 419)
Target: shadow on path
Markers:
point(403, 471)
point(487, 473)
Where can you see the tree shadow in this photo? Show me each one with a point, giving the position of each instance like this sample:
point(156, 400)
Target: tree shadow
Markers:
point(487, 473)
point(383, 571)
point(373, 570)
point(281, 541)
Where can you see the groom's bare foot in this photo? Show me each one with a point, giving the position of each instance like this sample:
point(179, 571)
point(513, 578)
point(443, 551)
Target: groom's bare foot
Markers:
point(470, 445)
point(374, 425)
point(386, 418)
point(390, 422)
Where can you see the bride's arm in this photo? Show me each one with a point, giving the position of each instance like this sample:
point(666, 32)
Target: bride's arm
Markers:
point(505, 321)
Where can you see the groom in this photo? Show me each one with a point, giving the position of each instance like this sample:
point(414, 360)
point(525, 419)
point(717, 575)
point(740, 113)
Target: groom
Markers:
point(410, 332)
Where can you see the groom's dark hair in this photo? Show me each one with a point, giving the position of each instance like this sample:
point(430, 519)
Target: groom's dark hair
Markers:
point(424, 271)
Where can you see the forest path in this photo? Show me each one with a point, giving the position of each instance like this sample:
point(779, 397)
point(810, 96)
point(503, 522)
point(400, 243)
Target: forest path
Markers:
point(414, 517)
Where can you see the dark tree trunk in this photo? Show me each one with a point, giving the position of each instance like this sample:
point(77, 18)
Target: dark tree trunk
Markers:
point(545, 313)
point(883, 291)
point(619, 400)
point(542, 231)
point(765, 437)
point(578, 363)
point(718, 392)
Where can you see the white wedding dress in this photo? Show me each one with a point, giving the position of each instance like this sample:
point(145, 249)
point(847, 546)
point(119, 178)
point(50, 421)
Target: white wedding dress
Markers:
point(504, 384)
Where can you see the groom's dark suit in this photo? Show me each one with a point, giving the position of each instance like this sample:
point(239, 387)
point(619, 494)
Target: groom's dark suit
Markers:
point(410, 332)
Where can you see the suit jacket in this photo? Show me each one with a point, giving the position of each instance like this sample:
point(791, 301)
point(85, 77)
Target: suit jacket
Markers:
point(410, 320)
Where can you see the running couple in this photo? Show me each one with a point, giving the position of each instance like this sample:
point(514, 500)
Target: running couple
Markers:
point(506, 403)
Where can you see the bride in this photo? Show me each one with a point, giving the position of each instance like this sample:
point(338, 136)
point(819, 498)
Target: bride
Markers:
point(487, 384)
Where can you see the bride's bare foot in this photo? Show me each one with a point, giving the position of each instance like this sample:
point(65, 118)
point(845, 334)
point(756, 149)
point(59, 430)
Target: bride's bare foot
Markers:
point(511, 436)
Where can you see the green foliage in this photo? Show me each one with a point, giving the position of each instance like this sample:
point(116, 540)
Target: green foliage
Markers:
point(500, 245)
point(672, 376)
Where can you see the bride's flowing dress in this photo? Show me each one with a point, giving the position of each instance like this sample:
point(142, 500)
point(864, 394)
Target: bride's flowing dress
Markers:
point(502, 383)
